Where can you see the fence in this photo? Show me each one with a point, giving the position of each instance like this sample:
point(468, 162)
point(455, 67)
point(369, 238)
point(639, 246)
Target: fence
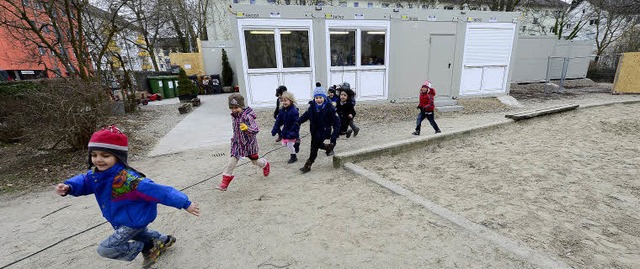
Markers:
point(603, 68)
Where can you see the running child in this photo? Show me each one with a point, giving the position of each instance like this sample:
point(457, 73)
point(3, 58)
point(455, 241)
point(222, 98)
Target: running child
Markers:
point(128, 200)
point(244, 142)
point(286, 125)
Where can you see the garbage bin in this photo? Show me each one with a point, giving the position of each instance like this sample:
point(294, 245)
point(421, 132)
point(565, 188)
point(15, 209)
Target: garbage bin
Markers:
point(216, 84)
point(156, 85)
point(169, 88)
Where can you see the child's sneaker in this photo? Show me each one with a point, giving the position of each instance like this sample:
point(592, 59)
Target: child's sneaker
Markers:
point(169, 242)
point(349, 133)
point(151, 256)
point(356, 131)
point(266, 169)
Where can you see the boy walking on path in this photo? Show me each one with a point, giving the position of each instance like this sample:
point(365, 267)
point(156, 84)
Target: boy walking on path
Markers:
point(127, 199)
point(323, 124)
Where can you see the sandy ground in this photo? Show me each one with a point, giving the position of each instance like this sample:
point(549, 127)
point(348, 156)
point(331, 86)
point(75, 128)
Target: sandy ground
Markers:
point(329, 218)
point(564, 184)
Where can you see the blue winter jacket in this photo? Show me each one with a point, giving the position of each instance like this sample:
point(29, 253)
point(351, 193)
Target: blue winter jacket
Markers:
point(126, 198)
point(321, 120)
point(287, 119)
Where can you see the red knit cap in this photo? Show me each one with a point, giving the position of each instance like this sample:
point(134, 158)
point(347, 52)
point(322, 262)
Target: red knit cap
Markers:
point(112, 140)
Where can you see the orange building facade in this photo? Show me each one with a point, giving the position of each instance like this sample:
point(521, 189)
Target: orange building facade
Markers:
point(21, 58)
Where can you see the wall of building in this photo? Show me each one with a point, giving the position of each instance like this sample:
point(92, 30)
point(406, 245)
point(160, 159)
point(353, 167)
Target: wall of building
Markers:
point(409, 36)
point(533, 58)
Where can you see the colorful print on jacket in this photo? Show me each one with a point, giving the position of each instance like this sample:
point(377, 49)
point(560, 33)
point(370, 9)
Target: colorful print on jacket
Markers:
point(126, 198)
point(244, 144)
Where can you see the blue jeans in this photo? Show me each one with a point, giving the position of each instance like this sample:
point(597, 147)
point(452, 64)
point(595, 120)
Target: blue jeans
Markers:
point(125, 243)
point(429, 115)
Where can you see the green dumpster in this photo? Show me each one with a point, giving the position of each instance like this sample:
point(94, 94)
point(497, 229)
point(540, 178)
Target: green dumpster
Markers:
point(156, 85)
point(169, 87)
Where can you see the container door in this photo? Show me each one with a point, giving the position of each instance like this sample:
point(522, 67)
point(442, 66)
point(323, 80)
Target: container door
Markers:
point(441, 58)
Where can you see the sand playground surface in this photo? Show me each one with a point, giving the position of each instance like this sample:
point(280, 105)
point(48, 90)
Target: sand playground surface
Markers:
point(563, 186)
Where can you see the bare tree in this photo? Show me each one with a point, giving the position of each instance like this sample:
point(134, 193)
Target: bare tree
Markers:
point(151, 18)
point(54, 25)
point(613, 19)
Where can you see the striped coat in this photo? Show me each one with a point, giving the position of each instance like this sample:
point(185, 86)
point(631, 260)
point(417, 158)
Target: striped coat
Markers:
point(244, 144)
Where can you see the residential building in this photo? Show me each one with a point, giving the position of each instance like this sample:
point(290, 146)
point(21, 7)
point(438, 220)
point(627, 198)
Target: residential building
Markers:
point(21, 55)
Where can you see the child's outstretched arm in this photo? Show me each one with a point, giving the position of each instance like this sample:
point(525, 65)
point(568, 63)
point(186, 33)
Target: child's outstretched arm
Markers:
point(194, 209)
point(76, 186)
point(62, 189)
point(252, 125)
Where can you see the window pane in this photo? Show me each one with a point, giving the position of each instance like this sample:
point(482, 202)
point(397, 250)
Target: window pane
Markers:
point(295, 48)
point(261, 50)
point(372, 48)
point(343, 44)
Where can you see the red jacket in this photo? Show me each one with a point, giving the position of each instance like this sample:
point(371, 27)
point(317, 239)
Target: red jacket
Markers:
point(427, 100)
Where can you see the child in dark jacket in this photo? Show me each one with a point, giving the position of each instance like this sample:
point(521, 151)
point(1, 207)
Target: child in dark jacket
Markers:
point(427, 107)
point(127, 198)
point(244, 142)
point(323, 124)
point(281, 89)
point(352, 94)
point(333, 95)
point(346, 111)
point(286, 125)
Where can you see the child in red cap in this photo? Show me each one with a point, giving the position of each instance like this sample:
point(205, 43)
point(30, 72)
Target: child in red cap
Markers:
point(426, 106)
point(244, 142)
point(127, 199)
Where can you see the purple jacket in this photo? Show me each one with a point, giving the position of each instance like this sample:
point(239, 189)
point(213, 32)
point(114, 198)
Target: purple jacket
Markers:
point(244, 144)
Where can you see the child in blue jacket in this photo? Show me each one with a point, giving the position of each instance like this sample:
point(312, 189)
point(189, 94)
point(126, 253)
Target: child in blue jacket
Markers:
point(323, 124)
point(127, 199)
point(286, 125)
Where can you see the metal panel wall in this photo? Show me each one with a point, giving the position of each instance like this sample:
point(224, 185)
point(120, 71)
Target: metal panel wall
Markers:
point(535, 54)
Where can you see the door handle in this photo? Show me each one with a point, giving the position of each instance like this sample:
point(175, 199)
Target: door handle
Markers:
point(449, 67)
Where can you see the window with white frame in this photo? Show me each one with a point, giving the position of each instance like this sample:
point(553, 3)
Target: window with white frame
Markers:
point(356, 4)
point(369, 5)
point(295, 48)
point(372, 47)
point(342, 47)
point(261, 50)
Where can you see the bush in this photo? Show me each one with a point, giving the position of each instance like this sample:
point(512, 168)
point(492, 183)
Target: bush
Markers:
point(185, 86)
point(227, 72)
point(53, 113)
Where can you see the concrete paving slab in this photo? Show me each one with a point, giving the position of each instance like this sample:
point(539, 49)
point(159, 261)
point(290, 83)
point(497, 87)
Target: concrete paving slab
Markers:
point(206, 126)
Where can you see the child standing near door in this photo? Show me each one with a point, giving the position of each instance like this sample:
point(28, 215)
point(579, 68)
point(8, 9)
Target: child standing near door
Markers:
point(427, 107)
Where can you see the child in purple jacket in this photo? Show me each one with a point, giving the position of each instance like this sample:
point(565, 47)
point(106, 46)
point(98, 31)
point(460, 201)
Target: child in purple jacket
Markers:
point(244, 142)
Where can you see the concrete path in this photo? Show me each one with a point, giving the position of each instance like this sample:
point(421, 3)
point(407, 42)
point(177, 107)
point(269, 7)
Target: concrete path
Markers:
point(206, 126)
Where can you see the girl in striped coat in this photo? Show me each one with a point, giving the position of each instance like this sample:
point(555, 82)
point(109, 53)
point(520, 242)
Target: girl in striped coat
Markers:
point(244, 142)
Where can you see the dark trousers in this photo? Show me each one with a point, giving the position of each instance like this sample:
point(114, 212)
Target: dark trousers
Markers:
point(430, 116)
point(316, 144)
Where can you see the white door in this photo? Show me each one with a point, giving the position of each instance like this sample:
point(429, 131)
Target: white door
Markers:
point(274, 53)
point(441, 57)
point(487, 54)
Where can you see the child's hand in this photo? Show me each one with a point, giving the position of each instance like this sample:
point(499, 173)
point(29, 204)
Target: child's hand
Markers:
point(62, 189)
point(350, 116)
point(243, 127)
point(194, 209)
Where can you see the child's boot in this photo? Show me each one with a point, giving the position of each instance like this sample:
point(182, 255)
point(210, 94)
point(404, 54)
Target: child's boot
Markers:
point(349, 133)
point(293, 159)
point(356, 131)
point(306, 167)
point(296, 146)
point(226, 179)
point(417, 132)
point(328, 148)
point(266, 169)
